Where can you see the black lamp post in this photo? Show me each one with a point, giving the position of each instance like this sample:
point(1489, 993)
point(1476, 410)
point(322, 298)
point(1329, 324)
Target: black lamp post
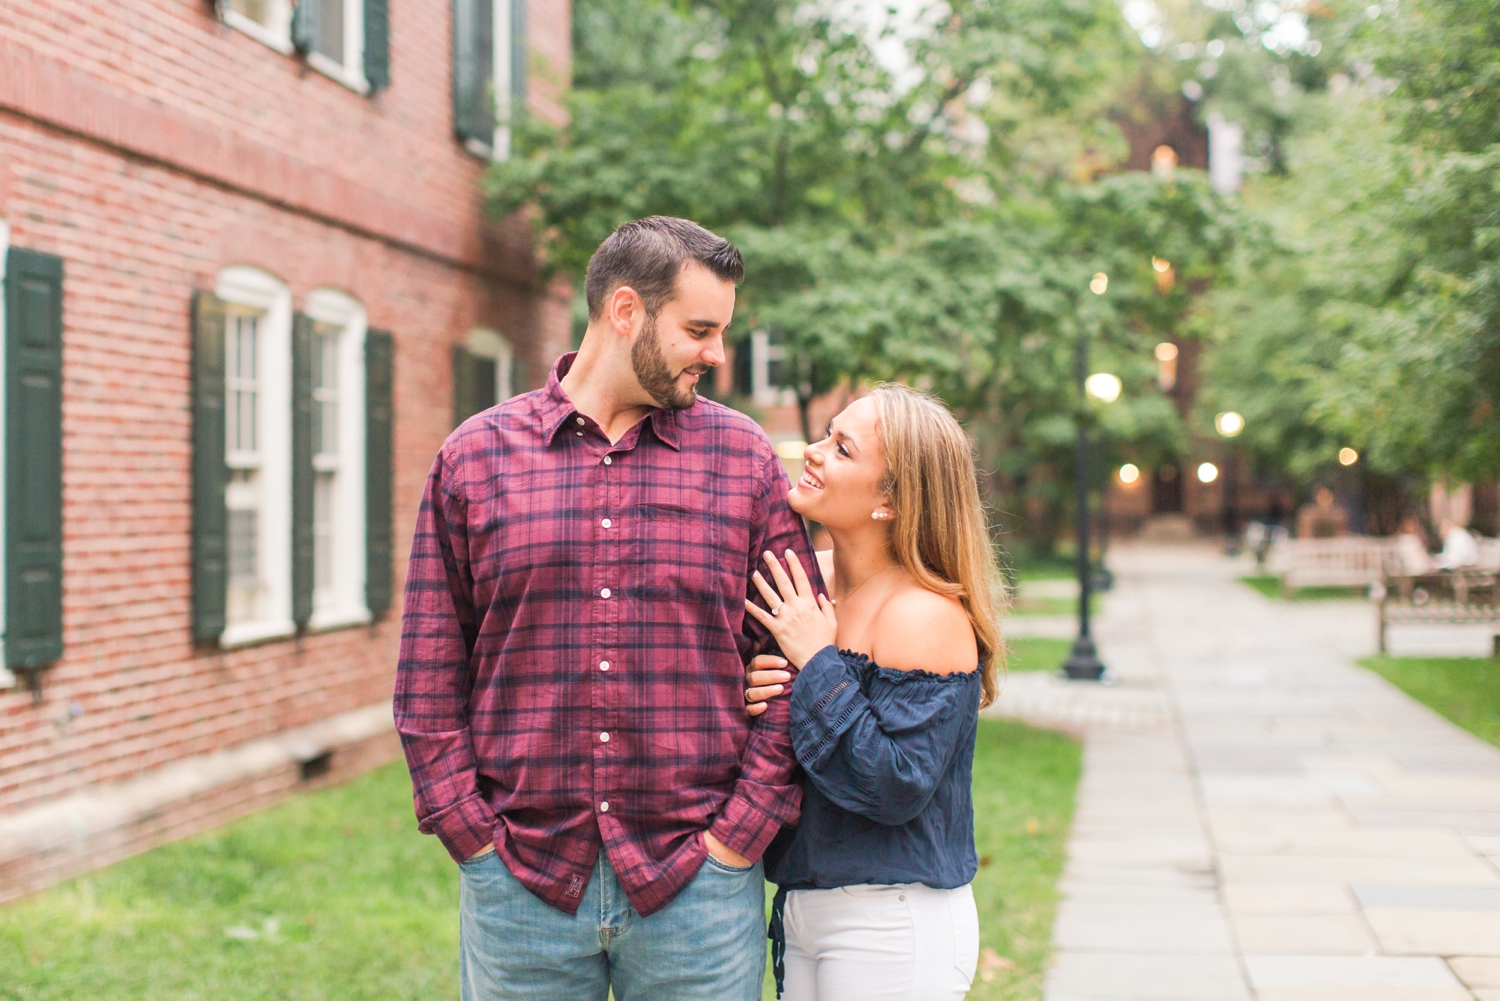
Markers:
point(1229, 425)
point(1083, 662)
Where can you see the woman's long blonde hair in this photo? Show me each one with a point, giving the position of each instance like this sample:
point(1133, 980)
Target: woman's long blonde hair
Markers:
point(939, 536)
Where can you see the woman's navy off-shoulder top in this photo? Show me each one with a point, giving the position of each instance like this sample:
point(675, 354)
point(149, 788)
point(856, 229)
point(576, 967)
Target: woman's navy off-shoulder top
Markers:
point(889, 757)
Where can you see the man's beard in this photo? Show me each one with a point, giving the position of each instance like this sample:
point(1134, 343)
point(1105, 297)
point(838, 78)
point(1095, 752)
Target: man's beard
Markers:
point(654, 375)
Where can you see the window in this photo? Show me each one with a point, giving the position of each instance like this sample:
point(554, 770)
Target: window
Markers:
point(336, 430)
point(268, 21)
point(242, 457)
point(760, 370)
point(489, 72)
point(331, 33)
point(348, 40)
point(482, 374)
point(257, 456)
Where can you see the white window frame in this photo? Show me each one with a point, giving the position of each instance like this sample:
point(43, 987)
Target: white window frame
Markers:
point(254, 289)
point(7, 677)
point(762, 354)
point(277, 34)
point(486, 342)
point(500, 13)
point(342, 602)
point(351, 72)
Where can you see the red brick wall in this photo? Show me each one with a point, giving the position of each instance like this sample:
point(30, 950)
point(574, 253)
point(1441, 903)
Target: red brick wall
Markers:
point(141, 223)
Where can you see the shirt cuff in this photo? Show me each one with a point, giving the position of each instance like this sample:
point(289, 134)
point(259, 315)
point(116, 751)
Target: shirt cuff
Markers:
point(465, 828)
point(748, 829)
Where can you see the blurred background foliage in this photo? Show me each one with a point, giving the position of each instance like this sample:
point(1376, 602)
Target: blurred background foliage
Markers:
point(925, 193)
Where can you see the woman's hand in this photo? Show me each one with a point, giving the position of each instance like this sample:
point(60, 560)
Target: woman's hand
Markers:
point(767, 677)
point(802, 622)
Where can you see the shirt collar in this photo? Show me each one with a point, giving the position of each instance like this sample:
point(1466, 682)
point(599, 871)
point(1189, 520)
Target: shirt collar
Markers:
point(556, 408)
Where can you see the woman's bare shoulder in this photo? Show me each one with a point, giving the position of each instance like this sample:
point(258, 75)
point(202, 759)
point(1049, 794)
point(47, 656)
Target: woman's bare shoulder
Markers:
point(918, 629)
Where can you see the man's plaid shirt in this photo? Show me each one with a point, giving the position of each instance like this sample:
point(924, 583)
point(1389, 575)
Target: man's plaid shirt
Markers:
point(574, 640)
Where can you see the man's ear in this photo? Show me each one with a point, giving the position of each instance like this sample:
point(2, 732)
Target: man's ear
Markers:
point(625, 311)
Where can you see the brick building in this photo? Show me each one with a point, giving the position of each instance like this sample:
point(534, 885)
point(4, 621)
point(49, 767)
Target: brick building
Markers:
point(249, 286)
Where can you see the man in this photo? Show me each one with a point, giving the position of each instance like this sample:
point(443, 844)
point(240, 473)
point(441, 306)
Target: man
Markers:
point(570, 692)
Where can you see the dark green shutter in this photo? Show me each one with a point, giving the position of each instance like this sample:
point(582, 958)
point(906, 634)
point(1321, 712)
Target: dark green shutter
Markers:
point(473, 72)
point(33, 464)
point(302, 469)
point(518, 55)
point(377, 44)
point(305, 25)
point(380, 354)
point(210, 476)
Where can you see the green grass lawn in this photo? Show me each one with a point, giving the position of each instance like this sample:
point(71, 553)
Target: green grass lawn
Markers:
point(1024, 780)
point(334, 896)
point(1270, 586)
point(1035, 654)
point(1464, 689)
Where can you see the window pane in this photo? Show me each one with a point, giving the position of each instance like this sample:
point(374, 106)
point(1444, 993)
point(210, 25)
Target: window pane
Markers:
point(330, 28)
point(484, 384)
point(240, 368)
point(243, 549)
point(323, 504)
point(325, 367)
point(258, 11)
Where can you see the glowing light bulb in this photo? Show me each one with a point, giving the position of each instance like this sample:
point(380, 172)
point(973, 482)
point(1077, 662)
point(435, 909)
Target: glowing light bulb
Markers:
point(1166, 351)
point(1208, 472)
point(1100, 284)
point(1229, 424)
point(1129, 473)
point(1161, 266)
point(1348, 456)
point(1103, 387)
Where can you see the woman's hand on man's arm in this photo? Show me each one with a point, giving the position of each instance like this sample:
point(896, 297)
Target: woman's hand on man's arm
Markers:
point(765, 678)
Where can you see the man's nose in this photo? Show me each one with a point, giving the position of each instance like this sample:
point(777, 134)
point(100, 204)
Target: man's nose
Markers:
point(713, 352)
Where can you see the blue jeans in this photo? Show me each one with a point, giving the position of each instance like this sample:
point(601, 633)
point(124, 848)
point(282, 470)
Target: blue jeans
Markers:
point(706, 945)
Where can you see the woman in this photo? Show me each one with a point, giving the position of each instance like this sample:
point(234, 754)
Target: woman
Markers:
point(874, 898)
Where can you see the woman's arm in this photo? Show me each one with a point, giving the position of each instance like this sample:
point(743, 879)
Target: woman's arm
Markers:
point(883, 758)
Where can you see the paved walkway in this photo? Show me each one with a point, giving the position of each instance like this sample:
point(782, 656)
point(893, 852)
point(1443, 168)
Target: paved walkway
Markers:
point(1259, 817)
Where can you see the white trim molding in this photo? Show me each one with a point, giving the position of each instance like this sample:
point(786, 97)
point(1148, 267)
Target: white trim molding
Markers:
point(255, 290)
point(340, 602)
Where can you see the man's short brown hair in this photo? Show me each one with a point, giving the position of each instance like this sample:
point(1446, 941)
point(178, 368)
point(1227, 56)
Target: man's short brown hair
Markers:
point(647, 255)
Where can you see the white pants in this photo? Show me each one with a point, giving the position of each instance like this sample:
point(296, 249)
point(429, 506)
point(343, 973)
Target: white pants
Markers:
point(907, 942)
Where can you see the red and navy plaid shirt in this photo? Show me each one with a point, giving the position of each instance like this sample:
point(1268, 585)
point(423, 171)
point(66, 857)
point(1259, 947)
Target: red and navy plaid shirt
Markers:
point(574, 640)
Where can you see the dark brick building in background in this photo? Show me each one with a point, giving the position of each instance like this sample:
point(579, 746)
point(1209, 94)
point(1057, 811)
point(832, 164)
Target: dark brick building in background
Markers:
point(249, 286)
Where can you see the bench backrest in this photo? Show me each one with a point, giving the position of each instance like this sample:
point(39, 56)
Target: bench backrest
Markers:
point(1344, 561)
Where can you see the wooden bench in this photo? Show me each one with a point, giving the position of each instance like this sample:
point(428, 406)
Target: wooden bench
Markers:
point(1345, 561)
point(1478, 607)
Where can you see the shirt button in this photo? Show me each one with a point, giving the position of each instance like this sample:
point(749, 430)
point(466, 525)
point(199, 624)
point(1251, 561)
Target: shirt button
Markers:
point(604, 665)
point(606, 523)
point(604, 738)
point(604, 593)
point(604, 807)
point(608, 460)
point(579, 420)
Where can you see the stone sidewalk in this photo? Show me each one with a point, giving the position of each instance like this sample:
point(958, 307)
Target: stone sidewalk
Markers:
point(1259, 817)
